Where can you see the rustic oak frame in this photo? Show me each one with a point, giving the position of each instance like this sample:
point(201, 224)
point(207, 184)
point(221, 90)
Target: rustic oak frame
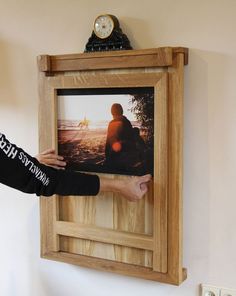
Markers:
point(161, 68)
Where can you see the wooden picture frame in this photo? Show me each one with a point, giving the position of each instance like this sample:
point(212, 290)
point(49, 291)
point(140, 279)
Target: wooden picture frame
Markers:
point(107, 232)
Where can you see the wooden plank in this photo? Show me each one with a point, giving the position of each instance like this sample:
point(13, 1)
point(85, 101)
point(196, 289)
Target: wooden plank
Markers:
point(130, 217)
point(80, 209)
point(104, 235)
point(44, 63)
point(148, 223)
point(113, 266)
point(160, 177)
point(156, 57)
point(101, 80)
point(46, 226)
point(72, 245)
point(87, 210)
point(175, 168)
point(184, 50)
point(106, 63)
point(119, 53)
point(48, 206)
point(104, 219)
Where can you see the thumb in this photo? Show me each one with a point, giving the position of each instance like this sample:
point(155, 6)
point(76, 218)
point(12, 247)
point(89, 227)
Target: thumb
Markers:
point(145, 178)
point(143, 188)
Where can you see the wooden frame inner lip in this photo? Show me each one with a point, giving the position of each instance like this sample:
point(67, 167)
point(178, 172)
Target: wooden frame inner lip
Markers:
point(158, 81)
point(104, 235)
point(117, 53)
point(108, 81)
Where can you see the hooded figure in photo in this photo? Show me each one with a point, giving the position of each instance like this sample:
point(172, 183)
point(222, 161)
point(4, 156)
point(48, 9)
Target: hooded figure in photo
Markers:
point(119, 144)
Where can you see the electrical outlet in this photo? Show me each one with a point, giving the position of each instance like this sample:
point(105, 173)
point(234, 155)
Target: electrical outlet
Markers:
point(207, 290)
point(227, 292)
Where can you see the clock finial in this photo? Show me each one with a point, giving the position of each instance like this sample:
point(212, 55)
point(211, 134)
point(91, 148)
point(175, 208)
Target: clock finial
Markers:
point(107, 35)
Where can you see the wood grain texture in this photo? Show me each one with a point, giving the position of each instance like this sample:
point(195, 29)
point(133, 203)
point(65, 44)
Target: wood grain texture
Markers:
point(109, 209)
point(44, 63)
point(81, 210)
point(129, 217)
point(113, 266)
point(104, 235)
point(160, 177)
point(107, 232)
point(48, 206)
point(156, 57)
point(73, 245)
point(175, 168)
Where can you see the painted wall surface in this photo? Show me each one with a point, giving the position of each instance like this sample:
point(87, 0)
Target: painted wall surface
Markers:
point(32, 27)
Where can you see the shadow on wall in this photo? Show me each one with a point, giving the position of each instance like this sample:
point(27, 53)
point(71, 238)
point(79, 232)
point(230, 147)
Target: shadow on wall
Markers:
point(60, 279)
point(196, 190)
point(205, 97)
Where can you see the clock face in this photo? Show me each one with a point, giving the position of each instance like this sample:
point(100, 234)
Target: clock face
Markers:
point(103, 26)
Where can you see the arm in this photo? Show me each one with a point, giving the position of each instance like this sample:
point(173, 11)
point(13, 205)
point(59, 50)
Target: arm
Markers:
point(132, 188)
point(23, 172)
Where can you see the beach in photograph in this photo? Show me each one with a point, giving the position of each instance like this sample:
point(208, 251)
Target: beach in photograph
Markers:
point(81, 145)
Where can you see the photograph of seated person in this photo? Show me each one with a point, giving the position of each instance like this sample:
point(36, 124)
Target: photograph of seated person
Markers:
point(119, 144)
point(125, 148)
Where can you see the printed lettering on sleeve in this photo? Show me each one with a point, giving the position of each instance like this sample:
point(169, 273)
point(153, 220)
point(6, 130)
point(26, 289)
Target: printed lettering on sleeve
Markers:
point(13, 153)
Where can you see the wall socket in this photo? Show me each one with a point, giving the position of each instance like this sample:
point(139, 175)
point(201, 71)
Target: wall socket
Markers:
point(227, 292)
point(208, 290)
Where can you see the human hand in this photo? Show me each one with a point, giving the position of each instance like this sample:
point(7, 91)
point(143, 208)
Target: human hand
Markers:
point(50, 158)
point(135, 188)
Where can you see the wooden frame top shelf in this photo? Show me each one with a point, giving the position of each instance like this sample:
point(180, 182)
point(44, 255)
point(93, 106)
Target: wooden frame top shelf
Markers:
point(156, 57)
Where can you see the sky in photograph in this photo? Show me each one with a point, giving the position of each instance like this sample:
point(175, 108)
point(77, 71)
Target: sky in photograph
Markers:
point(93, 107)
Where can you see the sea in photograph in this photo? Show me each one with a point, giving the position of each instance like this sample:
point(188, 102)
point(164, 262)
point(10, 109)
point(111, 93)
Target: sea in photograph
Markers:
point(85, 123)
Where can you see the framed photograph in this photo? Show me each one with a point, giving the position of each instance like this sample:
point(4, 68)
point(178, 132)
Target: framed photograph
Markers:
point(107, 130)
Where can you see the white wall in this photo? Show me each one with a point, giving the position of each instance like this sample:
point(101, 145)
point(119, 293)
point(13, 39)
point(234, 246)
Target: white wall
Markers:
point(32, 27)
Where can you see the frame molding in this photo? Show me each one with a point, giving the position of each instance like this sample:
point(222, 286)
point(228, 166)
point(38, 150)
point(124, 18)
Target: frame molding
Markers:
point(155, 57)
point(161, 68)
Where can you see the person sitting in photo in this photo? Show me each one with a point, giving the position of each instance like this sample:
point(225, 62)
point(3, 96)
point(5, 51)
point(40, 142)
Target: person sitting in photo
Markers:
point(119, 143)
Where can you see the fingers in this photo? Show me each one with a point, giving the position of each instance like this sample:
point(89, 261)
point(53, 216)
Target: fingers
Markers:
point(48, 151)
point(53, 157)
point(143, 185)
point(54, 162)
point(50, 154)
point(50, 158)
point(56, 167)
point(133, 188)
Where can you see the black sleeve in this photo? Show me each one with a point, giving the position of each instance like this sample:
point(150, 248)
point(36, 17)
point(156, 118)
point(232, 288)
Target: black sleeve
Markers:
point(23, 172)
